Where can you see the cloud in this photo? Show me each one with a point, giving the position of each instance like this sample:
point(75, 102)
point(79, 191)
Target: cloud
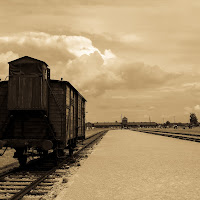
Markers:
point(50, 47)
point(95, 76)
point(197, 107)
point(192, 85)
point(187, 110)
point(70, 46)
point(78, 61)
point(143, 3)
point(120, 37)
point(8, 56)
point(4, 59)
point(140, 75)
point(71, 57)
point(151, 108)
point(91, 72)
point(77, 45)
point(39, 45)
point(129, 38)
point(192, 88)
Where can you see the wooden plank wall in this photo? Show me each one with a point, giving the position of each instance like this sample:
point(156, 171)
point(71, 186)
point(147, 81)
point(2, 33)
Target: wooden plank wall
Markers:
point(81, 117)
point(72, 117)
point(3, 103)
point(67, 112)
point(72, 129)
point(57, 114)
point(76, 114)
point(27, 93)
point(29, 127)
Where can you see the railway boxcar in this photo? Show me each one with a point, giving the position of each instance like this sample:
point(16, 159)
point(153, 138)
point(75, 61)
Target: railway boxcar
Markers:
point(38, 113)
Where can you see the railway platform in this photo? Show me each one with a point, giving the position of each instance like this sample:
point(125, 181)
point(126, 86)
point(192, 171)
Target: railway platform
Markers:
point(132, 165)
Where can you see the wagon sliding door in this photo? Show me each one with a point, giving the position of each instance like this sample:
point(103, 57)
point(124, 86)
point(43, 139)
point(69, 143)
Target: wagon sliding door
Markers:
point(81, 117)
point(56, 109)
point(72, 131)
point(70, 114)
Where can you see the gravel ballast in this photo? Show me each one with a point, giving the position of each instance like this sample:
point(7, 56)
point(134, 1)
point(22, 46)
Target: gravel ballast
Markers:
point(134, 165)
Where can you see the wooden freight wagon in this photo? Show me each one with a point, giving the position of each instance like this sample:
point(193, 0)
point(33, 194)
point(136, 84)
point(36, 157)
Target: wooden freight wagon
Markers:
point(37, 112)
point(67, 111)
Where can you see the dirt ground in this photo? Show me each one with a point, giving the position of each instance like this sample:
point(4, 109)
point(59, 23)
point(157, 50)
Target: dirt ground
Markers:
point(132, 165)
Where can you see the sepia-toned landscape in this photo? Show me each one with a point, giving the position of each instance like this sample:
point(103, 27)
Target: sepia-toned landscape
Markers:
point(99, 99)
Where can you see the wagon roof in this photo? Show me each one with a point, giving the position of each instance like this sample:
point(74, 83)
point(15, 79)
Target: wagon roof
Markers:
point(68, 83)
point(27, 58)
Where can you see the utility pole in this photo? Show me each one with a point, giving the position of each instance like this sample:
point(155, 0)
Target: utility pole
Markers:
point(121, 121)
point(149, 119)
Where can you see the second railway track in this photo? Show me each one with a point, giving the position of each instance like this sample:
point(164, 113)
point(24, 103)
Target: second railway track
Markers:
point(181, 136)
point(38, 178)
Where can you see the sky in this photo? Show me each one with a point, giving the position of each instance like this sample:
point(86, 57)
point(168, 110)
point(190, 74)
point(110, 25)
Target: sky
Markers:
point(138, 59)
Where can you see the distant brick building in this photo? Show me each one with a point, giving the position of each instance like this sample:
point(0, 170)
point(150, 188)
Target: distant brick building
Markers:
point(124, 124)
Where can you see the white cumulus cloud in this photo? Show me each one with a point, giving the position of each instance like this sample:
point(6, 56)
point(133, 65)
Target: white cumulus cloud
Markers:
point(4, 59)
point(76, 45)
point(78, 61)
point(197, 107)
point(8, 56)
point(187, 110)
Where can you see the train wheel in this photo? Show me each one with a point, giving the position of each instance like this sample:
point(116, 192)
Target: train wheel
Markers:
point(19, 154)
point(22, 160)
point(71, 150)
point(44, 154)
point(61, 152)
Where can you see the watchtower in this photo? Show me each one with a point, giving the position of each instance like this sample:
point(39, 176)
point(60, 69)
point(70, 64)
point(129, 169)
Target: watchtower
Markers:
point(124, 122)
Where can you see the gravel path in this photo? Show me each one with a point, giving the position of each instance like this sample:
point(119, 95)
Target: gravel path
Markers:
point(132, 165)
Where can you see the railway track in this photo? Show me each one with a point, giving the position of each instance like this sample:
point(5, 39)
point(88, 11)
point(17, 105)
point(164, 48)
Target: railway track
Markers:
point(38, 178)
point(181, 136)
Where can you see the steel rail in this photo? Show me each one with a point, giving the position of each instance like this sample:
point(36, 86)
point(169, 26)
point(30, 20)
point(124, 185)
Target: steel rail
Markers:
point(195, 138)
point(4, 174)
point(177, 133)
point(35, 183)
point(95, 134)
